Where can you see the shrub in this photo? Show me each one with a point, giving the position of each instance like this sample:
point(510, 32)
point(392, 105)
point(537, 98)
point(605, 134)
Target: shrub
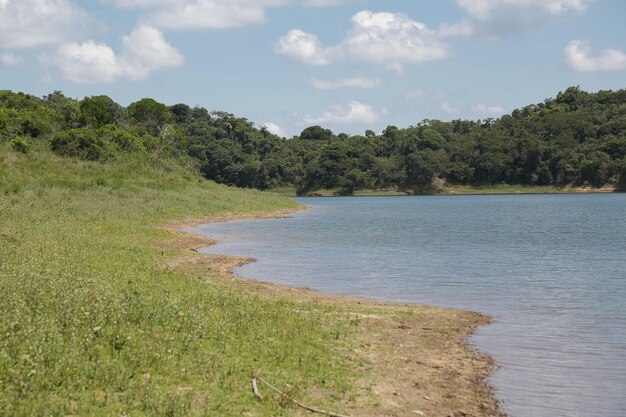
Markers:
point(122, 139)
point(20, 145)
point(82, 143)
point(35, 124)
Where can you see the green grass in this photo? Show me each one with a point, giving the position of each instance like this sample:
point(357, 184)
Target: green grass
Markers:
point(91, 325)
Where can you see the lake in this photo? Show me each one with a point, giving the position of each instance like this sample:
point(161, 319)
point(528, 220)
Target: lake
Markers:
point(549, 269)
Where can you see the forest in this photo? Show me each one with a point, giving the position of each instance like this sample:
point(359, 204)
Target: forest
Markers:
point(575, 139)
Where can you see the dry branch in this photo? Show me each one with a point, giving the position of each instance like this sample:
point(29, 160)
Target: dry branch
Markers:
point(255, 389)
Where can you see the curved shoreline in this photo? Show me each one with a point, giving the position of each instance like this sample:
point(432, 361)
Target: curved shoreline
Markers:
point(416, 359)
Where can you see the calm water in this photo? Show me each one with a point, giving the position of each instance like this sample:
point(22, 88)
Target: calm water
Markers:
point(550, 269)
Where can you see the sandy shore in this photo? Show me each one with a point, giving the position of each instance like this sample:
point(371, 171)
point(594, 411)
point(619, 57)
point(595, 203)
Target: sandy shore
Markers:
point(413, 360)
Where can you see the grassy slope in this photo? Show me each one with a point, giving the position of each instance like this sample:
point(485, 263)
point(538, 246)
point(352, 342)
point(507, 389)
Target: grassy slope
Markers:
point(91, 325)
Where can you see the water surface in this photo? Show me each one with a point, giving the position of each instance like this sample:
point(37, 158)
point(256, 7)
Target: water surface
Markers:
point(550, 269)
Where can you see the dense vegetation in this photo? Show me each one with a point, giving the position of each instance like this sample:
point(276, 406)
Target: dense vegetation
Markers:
point(577, 138)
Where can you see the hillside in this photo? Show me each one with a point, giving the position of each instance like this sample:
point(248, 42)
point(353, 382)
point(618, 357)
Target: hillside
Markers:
point(577, 139)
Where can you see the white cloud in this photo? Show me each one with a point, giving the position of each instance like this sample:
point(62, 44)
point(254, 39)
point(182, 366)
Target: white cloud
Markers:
point(144, 51)
point(354, 112)
point(448, 108)
point(31, 23)
point(211, 14)
point(354, 82)
point(463, 28)
point(200, 14)
point(390, 39)
point(208, 15)
point(274, 129)
point(489, 9)
point(9, 59)
point(88, 62)
point(484, 109)
point(497, 17)
point(580, 58)
point(304, 47)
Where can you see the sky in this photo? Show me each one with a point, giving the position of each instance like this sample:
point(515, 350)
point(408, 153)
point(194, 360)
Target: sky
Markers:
point(348, 65)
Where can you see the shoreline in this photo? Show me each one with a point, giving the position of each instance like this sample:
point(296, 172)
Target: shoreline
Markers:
point(461, 190)
point(416, 358)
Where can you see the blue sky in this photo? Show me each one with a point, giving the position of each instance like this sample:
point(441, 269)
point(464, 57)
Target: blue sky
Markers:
point(349, 65)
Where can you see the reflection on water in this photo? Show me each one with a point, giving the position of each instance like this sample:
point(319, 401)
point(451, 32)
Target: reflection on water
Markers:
point(550, 269)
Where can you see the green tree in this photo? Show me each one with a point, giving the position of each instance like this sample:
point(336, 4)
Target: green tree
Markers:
point(97, 111)
point(150, 114)
point(422, 167)
point(316, 133)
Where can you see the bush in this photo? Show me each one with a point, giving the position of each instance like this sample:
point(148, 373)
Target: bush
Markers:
point(82, 143)
point(35, 124)
point(122, 139)
point(20, 145)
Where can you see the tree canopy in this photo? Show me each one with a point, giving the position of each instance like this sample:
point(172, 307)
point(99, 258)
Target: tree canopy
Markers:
point(577, 138)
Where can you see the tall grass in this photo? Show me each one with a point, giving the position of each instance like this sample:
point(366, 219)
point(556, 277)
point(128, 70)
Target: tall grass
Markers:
point(91, 325)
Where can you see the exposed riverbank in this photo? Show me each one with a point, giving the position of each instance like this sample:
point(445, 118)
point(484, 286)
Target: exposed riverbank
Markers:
point(464, 190)
point(409, 359)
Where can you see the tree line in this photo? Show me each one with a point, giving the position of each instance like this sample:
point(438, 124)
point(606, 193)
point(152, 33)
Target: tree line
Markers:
point(577, 138)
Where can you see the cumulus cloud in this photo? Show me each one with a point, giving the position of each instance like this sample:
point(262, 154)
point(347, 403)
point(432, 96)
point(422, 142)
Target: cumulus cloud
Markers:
point(274, 129)
point(390, 39)
point(497, 17)
point(581, 58)
point(355, 112)
point(31, 23)
point(144, 51)
point(484, 109)
point(305, 47)
point(448, 108)
point(354, 82)
point(9, 59)
point(88, 62)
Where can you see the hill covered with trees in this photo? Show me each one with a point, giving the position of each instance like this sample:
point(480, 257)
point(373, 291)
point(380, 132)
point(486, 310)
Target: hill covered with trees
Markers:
point(577, 138)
